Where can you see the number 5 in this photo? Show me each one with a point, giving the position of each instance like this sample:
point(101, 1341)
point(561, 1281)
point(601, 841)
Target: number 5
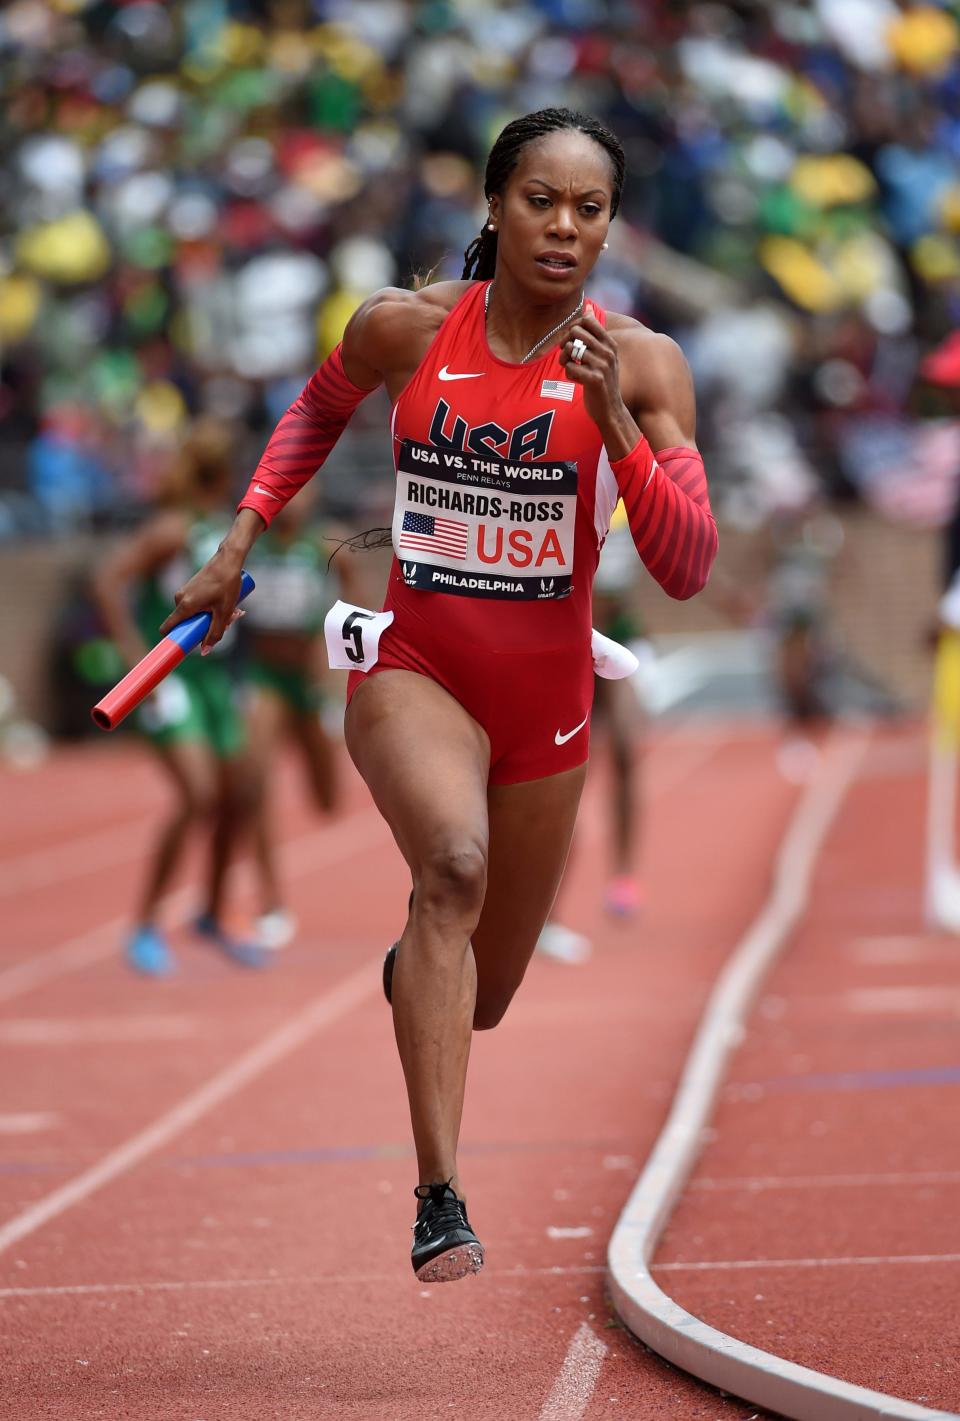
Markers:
point(352, 631)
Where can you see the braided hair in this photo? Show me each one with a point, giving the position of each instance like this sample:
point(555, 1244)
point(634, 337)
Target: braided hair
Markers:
point(480, 258)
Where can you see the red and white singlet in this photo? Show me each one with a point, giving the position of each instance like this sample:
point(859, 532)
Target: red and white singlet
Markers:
point(504, 496)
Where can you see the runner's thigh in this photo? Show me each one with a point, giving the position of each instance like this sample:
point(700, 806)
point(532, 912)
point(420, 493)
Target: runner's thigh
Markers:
point(425, 761)
point(192, 767)
point(265, 715)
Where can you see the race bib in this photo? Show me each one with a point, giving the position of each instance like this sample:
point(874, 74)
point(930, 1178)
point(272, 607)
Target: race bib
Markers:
point(353, 636)
point(483, 526)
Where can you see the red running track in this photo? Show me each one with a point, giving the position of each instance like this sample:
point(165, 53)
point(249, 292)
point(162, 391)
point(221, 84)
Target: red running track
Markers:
point(820, 1223)
point(206, 1182)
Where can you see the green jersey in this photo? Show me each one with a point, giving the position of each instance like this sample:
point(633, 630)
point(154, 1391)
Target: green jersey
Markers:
point(155, 598)
point(197, 702)
point(291, 592)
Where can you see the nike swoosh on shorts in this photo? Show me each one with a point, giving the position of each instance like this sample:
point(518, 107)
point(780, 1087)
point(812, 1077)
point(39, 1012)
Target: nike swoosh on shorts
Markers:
point(446, 375)
point(259, 488)
point(561, 739)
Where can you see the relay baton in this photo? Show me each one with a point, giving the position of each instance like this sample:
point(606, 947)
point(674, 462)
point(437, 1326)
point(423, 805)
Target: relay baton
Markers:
point(150, 671)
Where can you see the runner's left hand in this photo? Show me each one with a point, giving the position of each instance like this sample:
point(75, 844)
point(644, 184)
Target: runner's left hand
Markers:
point(598, 372)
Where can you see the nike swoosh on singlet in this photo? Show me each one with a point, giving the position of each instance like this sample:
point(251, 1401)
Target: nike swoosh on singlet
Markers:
point(561, 739)
point(259, 488)
point(446, 375)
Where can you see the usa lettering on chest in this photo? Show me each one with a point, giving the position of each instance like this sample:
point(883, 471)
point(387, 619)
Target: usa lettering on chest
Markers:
point(528, 440)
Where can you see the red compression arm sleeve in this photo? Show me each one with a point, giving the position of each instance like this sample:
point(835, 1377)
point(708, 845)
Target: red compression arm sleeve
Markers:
point(668, 507)
point(303, 438)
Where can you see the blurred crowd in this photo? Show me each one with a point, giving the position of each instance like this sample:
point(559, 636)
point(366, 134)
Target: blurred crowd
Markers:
point(196, 196)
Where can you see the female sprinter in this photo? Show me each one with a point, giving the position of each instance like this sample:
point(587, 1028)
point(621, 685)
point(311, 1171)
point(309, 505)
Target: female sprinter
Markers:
point(520, 412)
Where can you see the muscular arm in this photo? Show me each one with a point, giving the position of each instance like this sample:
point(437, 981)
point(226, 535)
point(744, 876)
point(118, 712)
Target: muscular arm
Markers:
point(638, 389)
point(669, 508)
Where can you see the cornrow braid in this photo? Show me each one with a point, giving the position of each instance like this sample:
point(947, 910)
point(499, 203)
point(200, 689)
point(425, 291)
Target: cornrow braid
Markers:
point(480, 258)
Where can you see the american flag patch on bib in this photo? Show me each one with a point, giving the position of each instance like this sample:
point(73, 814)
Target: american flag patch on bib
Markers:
point(557, 390)
point(440, 535)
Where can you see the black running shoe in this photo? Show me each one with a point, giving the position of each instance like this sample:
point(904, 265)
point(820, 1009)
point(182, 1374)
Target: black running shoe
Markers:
point(388, 962)
point(445, 1247)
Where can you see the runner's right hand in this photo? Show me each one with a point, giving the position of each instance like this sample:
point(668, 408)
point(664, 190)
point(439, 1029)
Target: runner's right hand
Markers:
point(214, 589)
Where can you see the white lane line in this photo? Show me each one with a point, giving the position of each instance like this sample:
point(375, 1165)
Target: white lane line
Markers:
point(188, 1285)
point(83, 950)
point(319, 848)
point(915, 1001)
point(757, 1183)
point(572, 1391)
point(28, 1122)
point(733, 1265)
point(99, 1030)
point(322, 1012)
point(900, 949)
point(40, 868)
point(726, 1362)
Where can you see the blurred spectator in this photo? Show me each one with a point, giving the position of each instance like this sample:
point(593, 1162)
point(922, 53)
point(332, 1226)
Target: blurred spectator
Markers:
point(287, 684)
point(804, 543)
point(197, 195)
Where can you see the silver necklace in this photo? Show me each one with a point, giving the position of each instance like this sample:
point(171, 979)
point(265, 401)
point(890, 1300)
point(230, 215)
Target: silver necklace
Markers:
point(543, 339)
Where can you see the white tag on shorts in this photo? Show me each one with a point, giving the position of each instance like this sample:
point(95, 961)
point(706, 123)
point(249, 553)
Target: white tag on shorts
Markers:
point(167, 706)
point(353, 636)
point(611, 660)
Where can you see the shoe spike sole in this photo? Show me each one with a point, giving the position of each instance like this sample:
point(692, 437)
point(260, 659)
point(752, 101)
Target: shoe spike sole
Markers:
point(455, 1263)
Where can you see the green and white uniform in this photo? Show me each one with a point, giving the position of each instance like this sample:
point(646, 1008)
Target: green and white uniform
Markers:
point(290, 602)
point(198, 701)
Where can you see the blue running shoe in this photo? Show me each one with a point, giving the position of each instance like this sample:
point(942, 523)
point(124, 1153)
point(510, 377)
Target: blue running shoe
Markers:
point(245, 954)
point(146, 951)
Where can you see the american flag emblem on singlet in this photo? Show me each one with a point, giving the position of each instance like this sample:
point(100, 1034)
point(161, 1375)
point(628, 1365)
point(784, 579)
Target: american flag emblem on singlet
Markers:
point(425, 533)
point(557, 390)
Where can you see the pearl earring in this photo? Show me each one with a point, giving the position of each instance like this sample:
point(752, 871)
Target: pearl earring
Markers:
point(491, 227)
point(604, 246)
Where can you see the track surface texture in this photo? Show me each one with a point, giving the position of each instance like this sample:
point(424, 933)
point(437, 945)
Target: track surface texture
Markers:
point(206, 1182)
point(820, 1222)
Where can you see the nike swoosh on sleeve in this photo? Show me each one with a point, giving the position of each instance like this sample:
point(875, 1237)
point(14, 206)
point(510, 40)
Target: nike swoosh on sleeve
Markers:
point(259, 488)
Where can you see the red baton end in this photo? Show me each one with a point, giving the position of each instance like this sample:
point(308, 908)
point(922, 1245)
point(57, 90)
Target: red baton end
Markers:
point(127, 694)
